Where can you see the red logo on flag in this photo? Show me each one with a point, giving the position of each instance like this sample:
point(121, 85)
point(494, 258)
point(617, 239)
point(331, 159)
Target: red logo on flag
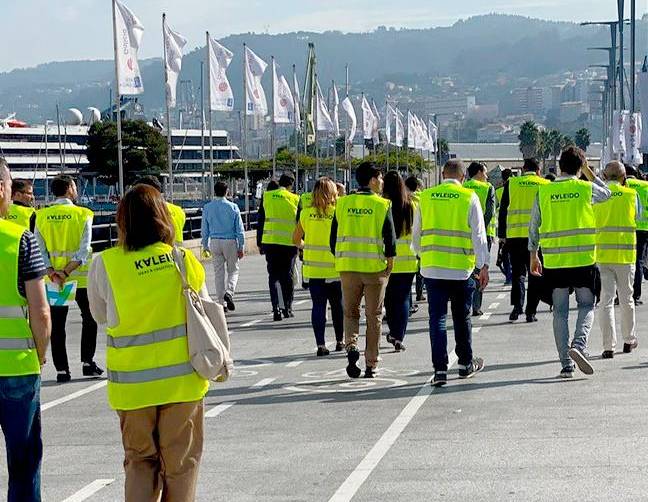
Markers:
point(129, 63)
point(256, 93)
point(283, 102)
point(222, 87)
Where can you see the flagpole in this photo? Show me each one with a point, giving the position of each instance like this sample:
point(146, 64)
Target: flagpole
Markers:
point(334, 137)
point(296, 128)
point(209, 121)
point(316, 116)
point(168, 109)
point(245, 166)
point(364, 140)
point(373, 141)
point(120, 162)
point(347, 156)
point(387, 118)
point(273, 138)
point(202, 127)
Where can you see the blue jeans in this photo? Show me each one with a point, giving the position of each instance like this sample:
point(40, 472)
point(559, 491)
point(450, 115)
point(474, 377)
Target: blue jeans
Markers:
point(585, 303)
point(21, 424)
point(398, 299)
point(460, 294)
point(322, 292)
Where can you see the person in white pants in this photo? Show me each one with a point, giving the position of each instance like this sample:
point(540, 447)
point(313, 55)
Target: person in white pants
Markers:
point(616, 256)
point(223, 239)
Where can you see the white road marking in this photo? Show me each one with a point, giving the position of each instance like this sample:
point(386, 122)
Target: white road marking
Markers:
point(501, 296)
point(356, 479)
point(486, 316)
point(251, 323)
point(300, 302)
point(218, 409)
point(294, 364)
point(74, 395)
point(263, 383)
point(89, 490)
point(493, 306)
point(476, 329)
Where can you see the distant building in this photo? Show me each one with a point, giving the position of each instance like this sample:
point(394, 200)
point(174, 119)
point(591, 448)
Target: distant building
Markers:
point(528, 100)
point(497, 133)
point(450, 107)
point(571, 111)
point(484, 112)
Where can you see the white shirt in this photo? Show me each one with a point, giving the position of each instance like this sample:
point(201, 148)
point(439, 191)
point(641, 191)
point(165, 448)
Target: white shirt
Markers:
point(480, 243)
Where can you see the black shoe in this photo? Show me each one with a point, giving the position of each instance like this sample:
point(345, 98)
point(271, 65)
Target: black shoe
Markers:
point(390, 339)
point(63, 377)
point(339, 347)
point(276, 316)
point(629, 347)
point(229, 302)
point(567, 372)
point(475, 366)
point(398, 346)
point(91, 369)
point(515, 315)
point(581, 361)
point(413, 309)
point(322, 351)
point(638, 302)
point(477, 313)
point(531, 318)
point(420, 298)
point(353, 355)
point(440, 378)
point(370, 372)
point(616, 301)
point(607, 354)
point(287, 313)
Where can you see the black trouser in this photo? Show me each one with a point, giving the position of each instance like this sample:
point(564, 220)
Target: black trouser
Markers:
point(280, 261)
point(88, 332)
point(642, 247)
point(322, 292)
point(520, 258)
point(419, 286)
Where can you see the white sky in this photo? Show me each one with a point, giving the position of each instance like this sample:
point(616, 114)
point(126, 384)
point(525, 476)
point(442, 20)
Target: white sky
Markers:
point(38, 31)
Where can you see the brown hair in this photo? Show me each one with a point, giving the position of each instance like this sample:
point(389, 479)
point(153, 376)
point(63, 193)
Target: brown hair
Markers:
point(324, 195)
point(143, 219)
point(571, 160)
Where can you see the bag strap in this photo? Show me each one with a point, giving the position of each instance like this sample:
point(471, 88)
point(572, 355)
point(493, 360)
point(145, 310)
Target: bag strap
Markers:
point(178, 259)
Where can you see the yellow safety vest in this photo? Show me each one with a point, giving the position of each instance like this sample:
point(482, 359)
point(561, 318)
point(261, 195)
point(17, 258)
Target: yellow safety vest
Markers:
point(179, 218)
point(616, 237)
point(641, 187)
point(482, 189)
point(61, 227)
point(568, 228)
point(359, 245)
point(18, 355)
point(147, 352)
point(319, 262)
point(406, 261)
point(20, 215)
point(446, 236)
point(280, 217)
point(306, 200)
point(498, 194)
point(522, 196)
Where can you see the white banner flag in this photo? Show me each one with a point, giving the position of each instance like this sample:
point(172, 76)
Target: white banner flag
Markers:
point(324, 122)
point(633, 139)
point(618, 132)
point(174, 43)
point(297, 100)
point(222, 97)
point(434, 136)
point(284, 105)
point(389, 114)
point(347, 105)
point(400, 130)
point(128, 34)
point(367, 119)
point(412, 132)
point(255, 67)
point(335, 117)
point(376, 123)
point(643, 100)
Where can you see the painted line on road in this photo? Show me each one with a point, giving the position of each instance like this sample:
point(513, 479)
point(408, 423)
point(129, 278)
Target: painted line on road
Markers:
point(485, 316)
point(493, 306)
point(251, 323)
point(218, 409)
point(501, 296)
point(263, 383)
point(294, 364)
point(89, 490)
point(300, 302)
point(476, 329)
point(74, 395)
point(356, 479)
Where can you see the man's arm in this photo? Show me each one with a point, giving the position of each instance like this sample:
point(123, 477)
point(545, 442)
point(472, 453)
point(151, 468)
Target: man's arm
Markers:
point(333, 236)
point(240, 233)
point(534, 226)
point(81, 255)
point(600, 191)
point(39, 315)
point(503, 212)
point(43, 248)
point(204, 229)
point(97, 280)
point(260, 223)
point(491, 202)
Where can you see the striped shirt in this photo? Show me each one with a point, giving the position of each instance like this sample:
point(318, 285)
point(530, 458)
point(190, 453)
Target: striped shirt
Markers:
point(30, 261)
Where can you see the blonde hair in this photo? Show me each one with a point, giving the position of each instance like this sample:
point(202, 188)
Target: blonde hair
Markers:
point(324, 195)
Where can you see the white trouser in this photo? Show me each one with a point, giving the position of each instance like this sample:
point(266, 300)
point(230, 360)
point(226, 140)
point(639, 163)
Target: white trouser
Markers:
point(617, 278)
point(226, 266)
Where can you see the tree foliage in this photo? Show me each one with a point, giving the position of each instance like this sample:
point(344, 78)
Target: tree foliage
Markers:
point(583, 139)
point(529, 139)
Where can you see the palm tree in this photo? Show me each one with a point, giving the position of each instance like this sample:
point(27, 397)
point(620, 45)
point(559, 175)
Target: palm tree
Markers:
point(529, 139)
point(556, 142)
point(544, 147)
point(582, 139)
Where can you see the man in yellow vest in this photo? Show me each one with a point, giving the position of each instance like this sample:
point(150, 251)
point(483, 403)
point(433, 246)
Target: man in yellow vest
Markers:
point(641, 187)
point(564, 227)
point(64, 234)
point(616, 253)
point(363, 240)
point(178, 216)
point(24, 335)
point(450, 237)
point(415, 186)
point(513, 230)
point(21, 210)
point(275, 226)
point(478, 183)
point(504, 257)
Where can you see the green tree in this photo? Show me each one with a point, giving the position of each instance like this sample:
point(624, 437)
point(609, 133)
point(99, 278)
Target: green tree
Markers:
point(144, 150)
point(556, 143)
point(529, 138)
point(583, 139)
point(544, 147)
point(444, 150)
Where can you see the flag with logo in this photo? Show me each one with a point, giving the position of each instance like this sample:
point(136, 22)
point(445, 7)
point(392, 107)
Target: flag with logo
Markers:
point(174, 43)
point(284, 105)
point(389, 113)
point(643, 100)
point(220, 91)
point(399, 134)
point(324, 122)
point(128, 34)
point(347, 106)
point(633, 139)
point(376, 123)
point(255, 67)
point(297, 100)
point(434, 135)
point(335, 115)
point(618, 132)
point(367, 119)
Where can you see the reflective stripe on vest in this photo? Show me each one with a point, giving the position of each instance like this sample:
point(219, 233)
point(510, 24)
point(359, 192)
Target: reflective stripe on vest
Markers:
point(280, 208)
point(522, 194)
point(568, 228)
point(13, 313)
point(405, 261)
point(163, 335)
point(616, 224)
point(150, 375)
point(17, 343)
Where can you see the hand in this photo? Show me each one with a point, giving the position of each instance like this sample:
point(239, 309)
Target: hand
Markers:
point(483, 278)
point(57, 277)
point(261, 251)
point(587, 171)
point(206, 254)
point(240, 254)
point(390, 267)
point(536, 265)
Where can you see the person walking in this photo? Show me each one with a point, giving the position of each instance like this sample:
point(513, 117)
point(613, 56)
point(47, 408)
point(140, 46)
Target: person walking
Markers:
point(24, 335)
point(178, 216)
point(514, 215)
point(398, 294)
point(503, 253)
point(450, 237)
point(641, 187)
point(312, 234)
point(136, 290)
point(64, 233)
point(224, 240)
point(275, 227)
point(564, 227)
point(478, 182)
point(616, 249)
point(21, 211)
point(363, 241)
point(414, 187)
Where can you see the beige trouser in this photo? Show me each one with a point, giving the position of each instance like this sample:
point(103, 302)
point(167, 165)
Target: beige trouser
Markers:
point(226, 266)
point(163, 446)
point(617, 278)
point(355, 285)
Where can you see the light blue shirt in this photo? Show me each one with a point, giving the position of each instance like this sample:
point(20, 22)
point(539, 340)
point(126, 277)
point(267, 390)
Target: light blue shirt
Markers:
point(221, 219)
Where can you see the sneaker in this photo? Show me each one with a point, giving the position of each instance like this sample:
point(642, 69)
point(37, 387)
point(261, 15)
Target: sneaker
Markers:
point(531, 318)
point(514, 316)
point(413, 309)
point(638, 302)
point(440, 378)
point(276, 316)
point(229, 302)
point(629, 347)
point(287, 313)
point(63, 376)
point(370, 372)
point(322, 351)
point(91, 369)
point(475, 366)
point(607, 354)
point(390, 339)
point(339, 347)
point(567, 372)
point(477, 313)
point(398, 346)
point(581, 361)
point(353, 355)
